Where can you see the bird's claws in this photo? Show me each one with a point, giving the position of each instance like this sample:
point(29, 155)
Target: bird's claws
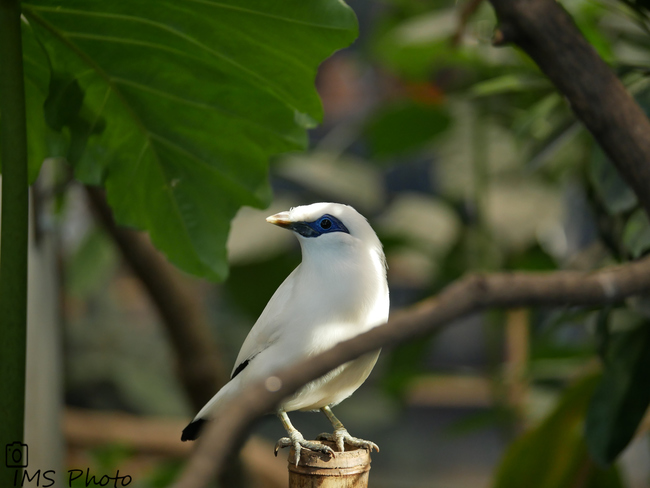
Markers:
point(342, 437)
point(283, 442)
point(298, 442)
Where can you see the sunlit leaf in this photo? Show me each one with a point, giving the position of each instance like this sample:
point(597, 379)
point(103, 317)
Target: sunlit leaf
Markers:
point(196, 97)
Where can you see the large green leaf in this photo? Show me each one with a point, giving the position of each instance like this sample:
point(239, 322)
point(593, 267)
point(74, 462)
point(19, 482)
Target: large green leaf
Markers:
point(622, 397)
point(554, 454)
point(176, 106)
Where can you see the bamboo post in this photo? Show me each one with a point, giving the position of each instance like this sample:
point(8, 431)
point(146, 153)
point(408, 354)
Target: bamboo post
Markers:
point(348, 469)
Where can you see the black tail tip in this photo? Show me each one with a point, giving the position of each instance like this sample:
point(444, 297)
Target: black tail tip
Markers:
point(193, 430)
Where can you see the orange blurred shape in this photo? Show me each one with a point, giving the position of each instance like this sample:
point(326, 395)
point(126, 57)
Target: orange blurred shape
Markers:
point(341, 87)
point(424, 93)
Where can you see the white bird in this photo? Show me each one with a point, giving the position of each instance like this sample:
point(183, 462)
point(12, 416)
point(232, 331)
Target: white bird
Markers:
point(337, 292)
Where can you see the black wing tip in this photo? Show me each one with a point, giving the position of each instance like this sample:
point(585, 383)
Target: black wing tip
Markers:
point(193, 430)
point(240, 368)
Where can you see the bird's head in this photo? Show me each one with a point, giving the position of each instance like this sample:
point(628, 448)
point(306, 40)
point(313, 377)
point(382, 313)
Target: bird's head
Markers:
point(327, 224)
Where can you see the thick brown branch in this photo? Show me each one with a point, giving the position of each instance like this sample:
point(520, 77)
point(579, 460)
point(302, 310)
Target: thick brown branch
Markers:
point(199, 368)
point(544, 30)
point(467, 296)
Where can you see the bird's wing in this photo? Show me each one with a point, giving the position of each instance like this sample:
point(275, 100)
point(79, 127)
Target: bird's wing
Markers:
point(268, 328)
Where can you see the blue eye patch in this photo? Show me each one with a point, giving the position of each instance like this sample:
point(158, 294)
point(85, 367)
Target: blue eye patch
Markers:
point(324, 225)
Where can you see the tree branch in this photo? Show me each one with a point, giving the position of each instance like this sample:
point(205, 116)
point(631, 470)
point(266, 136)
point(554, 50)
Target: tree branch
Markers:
point(198, 363)
point(546, 32)
point(199, 368)
point(469, 295)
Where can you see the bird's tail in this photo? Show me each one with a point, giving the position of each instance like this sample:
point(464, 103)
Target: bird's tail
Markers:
point(194, 428)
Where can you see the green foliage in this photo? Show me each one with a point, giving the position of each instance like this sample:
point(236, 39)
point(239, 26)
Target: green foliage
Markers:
point(554, 454)
point(499, 415)
point(64, 108)
point(532, 259)
point(509, 83)
point(405, 126)
point(266, 276)
point(64, 101)
point(622, 397)
point(40, 138)
point(36, 73)
point(413, 42)
point(552, 358)
point(616, 196)
point(641, 6)
point(636, 234)
point(506, 89)
point(404, 365)
point(177, 110)
point(588, 17)
point(166, 474)
point(182, 140)
point(109, 457)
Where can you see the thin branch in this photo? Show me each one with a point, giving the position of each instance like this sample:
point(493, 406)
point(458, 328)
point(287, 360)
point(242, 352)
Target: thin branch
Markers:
point(469, 295)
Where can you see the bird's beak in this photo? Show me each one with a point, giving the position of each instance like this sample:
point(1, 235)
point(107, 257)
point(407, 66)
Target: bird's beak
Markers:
point(280, 219)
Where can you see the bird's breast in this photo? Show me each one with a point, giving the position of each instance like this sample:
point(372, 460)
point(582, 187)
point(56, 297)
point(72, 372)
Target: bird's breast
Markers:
point(342, 293)
point(338, 304)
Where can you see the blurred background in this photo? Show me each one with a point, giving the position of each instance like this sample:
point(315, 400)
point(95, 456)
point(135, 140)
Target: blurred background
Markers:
point(464, 158)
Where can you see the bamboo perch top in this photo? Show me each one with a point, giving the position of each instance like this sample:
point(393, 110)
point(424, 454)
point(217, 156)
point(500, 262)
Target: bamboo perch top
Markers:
point(348, 469)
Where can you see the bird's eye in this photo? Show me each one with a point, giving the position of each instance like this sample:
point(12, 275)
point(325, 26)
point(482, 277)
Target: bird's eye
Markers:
point(326, 224)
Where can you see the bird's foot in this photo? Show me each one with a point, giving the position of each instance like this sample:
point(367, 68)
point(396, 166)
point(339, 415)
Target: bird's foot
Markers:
point(296, 440)
point(341, 437)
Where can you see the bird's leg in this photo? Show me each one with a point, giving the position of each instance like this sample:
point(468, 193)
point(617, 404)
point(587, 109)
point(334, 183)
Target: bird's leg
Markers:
point(341, 435)
point(296, 440)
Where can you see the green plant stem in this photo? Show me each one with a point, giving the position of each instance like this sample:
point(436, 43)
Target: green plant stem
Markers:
point(13, 235)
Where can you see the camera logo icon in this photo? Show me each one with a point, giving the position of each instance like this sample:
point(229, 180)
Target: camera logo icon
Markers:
point(16, 456)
